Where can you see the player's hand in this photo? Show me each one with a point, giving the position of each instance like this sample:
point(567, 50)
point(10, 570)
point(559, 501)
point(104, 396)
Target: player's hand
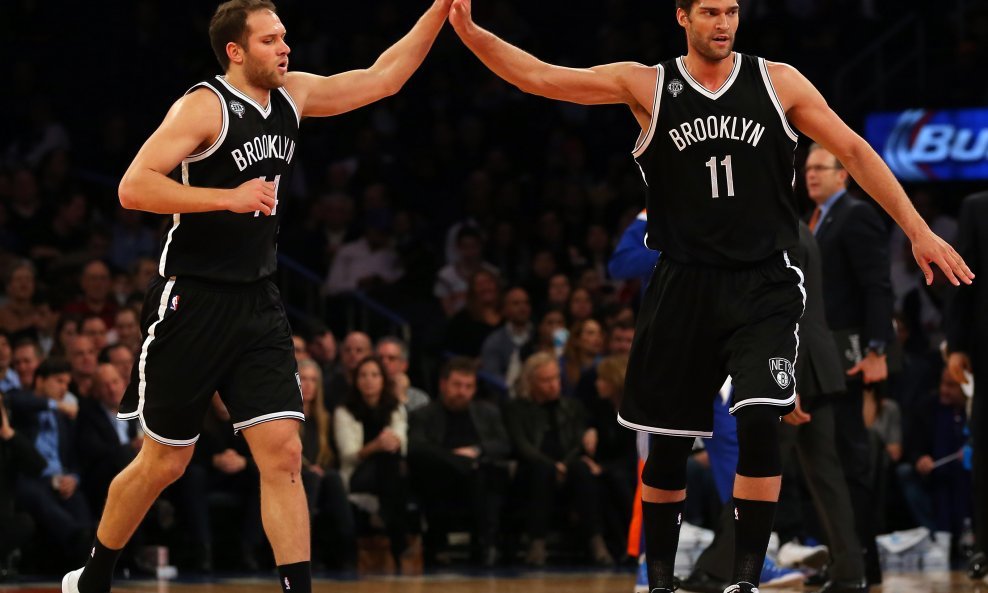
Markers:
point(924, 465)
point(957, 364)
point(873, 369)
point(460, 15)
point(443, 5)
point(797, 416)
point(255, 195)
point(929, 248)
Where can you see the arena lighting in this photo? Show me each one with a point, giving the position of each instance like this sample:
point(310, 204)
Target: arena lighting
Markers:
point(932, 144)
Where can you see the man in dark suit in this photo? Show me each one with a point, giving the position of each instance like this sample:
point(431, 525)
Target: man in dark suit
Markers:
point(811, 431)
point(857, 298)
point(457, 449)
point(106, 444)
point(967, 342)
point(54, 500)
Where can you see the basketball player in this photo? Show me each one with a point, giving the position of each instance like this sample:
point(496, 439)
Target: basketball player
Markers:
point(213, 319)
point(716, 150)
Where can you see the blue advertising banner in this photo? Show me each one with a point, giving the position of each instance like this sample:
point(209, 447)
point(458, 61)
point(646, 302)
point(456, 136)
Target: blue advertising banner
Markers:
point(931, 144)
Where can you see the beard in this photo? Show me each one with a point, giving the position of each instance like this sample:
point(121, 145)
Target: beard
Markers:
point(258, 76)
point(706, 49)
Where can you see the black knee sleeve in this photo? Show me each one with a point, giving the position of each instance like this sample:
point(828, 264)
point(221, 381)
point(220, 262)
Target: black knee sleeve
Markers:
point(665, 468)
point(759, 454)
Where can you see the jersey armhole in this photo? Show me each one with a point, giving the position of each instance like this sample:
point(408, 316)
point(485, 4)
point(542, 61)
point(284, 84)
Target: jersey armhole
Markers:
point(775, 100)
point(298, 116)
point(646, 136)
point(223, 129)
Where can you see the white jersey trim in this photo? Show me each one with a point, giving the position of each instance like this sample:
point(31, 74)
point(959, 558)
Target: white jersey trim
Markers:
point(702, 89)
point(142, 376)
point(176, 220)
point(225, 126)
point(238, 426)
point(775, 100)
point(645, 138)
point(765, 401)
point(298, 116)
point(664, 431)
point(265, 112)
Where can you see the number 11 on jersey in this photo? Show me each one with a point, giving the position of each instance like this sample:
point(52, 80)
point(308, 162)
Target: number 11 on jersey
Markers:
point(277, 182)
point(714, 186)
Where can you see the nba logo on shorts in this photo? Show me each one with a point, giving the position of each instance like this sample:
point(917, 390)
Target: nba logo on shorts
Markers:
point(174, 304)
point(781, 370)
point(238, 108)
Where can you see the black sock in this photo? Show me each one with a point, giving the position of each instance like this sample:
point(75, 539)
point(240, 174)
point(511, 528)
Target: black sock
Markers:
point(296, 578)
point(97, 576)
point(661, 521)
point(752, 528)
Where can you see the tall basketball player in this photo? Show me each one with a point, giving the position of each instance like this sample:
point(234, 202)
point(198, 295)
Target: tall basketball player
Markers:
point(716, 150)
point(213, 318)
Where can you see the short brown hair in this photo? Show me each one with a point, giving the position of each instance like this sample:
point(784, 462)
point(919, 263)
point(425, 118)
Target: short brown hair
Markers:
point(686, 5)
point(458, 364)
point(229, 23)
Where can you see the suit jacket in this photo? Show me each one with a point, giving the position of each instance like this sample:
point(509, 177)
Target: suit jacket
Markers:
point(818, 366)
point(427, 430)
point(25, 407)
point(98, 443)
point(857, 292)
point(528, 423)
point(966, 322)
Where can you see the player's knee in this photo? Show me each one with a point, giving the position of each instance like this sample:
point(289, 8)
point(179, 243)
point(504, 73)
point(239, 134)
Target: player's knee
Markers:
point(284, 457)
point(167, 466)
point(665, 468)
point(759, 455)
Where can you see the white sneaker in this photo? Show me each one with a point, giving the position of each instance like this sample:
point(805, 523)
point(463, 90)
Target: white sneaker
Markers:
point(794, 555)
point(898, 542)
point(70, 582)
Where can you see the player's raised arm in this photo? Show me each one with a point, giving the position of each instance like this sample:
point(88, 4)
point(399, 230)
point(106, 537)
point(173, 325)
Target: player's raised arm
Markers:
point(608, 84)
point(806, 108)
point(191, 126)
point(319, 96)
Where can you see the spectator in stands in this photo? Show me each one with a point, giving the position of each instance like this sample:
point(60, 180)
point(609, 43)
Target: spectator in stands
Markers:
point(18, 460)
point(453, 280)
point(582, 352)
point(544, 271)
point(66, 232)
point(300, 347)
point(457, 449)
point(552, 323)
point(94, 328)
point(47, 320)
point(145, 269)
point(619, 340)
point(467, 330)
point(507, 252)
point(120, 357)
point(96, 298)
point(369, 263)
point(106, 444)
point(333, 526)
point(371, 432)
point(393, 352)
point(620, 336)
point(128, 329)
point(26, 358)
point(82, 358)
point(547, 434)
point(130, 239)
point(8, 376)
point(559, 291)
point(500, 354)
point(20, 312)
point(935, 482)
point(322, 348)
point(356, 347)
point(53, 499)
point(611, 448)
point(580, 305)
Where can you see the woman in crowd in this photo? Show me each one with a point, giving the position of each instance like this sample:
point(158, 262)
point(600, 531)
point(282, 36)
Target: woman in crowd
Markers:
point(583, 348)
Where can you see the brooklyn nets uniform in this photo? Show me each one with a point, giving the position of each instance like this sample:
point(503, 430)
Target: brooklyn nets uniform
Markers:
point(213, 320)
point(726, 296)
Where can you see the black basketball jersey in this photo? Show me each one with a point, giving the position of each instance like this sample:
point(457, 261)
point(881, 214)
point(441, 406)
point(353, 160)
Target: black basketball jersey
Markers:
point(719, 168)
point(254, 142)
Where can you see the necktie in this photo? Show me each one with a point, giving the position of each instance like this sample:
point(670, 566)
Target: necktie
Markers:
point(815, 219)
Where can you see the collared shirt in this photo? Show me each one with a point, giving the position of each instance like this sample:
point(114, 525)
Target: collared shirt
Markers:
point(47, 441)
point(825, 207)
point(9, 381)
point(118, 425)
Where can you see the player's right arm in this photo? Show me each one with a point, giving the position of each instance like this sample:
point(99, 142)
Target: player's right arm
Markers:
point(192, 124)
point(625, 82)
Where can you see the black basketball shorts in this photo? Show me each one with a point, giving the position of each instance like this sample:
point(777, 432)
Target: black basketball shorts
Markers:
point(201, 338)
point(697, 325)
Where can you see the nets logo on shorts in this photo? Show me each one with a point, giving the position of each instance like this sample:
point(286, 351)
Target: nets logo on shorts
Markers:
point(781, 370)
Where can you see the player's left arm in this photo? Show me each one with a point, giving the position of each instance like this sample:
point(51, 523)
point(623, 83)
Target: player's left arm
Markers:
point(319, 96)
point(806, 108)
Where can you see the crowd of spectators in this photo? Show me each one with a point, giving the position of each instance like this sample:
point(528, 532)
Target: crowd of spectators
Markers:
point(485, 218)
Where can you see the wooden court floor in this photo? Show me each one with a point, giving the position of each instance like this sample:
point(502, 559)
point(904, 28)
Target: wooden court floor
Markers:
point(934, 582)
